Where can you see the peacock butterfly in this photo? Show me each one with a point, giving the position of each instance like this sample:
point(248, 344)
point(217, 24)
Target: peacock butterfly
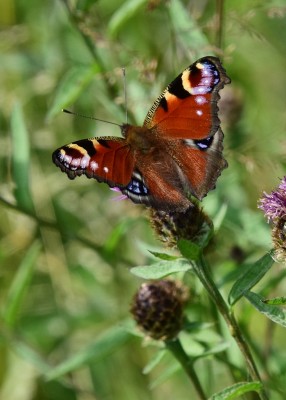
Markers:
point(176, 153)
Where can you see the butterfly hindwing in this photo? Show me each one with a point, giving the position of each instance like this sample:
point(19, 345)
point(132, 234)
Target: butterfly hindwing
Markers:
point(157, 182)
point(107, 159)
point(166, 177)
point(201, 162)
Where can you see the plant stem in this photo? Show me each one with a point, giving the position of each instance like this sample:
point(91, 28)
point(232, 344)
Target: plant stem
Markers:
point(177, 350)
point(201, 269)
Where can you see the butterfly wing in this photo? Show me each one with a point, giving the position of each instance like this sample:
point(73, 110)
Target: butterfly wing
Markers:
point(185, 119)
point(201, 163)
point(107, 159)
point(156, 182)
point(164, 181)
point(187, 109)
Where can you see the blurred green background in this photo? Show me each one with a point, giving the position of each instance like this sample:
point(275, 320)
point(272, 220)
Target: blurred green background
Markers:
point(65, 246)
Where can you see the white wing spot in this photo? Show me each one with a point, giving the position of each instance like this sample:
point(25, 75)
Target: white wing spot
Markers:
point(67, 159)
point(200, 100)
point(75, 162)
point(93, 165)
point(84, 161)
point(206, 81)
point(200, 90)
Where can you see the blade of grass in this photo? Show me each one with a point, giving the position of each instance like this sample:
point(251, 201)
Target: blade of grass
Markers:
point(109, 342)
point(20, 284)
point(21, 160)
point(123, 14)
point(71, 86)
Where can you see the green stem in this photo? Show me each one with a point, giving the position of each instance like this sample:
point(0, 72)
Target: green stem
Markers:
point(201, 270)
point(177, 350)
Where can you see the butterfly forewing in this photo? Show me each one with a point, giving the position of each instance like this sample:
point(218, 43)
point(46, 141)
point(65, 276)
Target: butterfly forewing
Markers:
point(106, 159)
point(188, 106)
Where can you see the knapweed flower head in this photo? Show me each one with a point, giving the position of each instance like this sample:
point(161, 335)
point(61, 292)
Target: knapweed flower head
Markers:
point(158, 308)
point(191, 225)
point(274, 207)
point(274, 204)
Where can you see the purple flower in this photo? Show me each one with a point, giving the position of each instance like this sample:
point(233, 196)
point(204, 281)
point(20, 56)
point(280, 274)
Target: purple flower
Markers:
point(274, 207)
point(274, 204)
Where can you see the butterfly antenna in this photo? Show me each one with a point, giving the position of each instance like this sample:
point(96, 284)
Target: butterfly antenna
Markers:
point(88, 117)
point(125, 94)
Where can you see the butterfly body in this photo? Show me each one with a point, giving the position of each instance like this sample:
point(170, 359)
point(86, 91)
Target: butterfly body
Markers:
point(176, 153)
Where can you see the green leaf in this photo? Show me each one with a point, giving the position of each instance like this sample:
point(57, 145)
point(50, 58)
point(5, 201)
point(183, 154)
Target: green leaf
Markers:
point(237, 390)
point(165, 375)
point(21, 160)
point(107, 344)
point(274, 313)
point(20, 284)
point(123, 14)
point(163, 256)
point(189, 250)
point(154, 361)
point(214, 350)
point(72, 84)
point(204, 235)
point(276, 301)
point(253, 274)
point(161, 269)
point(233, 275)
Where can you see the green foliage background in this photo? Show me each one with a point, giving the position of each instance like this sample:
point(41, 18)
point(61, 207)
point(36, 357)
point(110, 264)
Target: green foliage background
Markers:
point(66, 247)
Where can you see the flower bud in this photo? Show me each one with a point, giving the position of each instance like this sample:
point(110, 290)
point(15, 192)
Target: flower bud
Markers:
point(158, 308)
point(190, 225)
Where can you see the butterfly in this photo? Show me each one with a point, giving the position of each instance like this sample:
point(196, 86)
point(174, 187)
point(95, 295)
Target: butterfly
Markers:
point(177, 153)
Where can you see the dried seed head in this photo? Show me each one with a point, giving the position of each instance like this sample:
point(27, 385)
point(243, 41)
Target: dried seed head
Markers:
point(189, 225)
point(279, 240)
point(158, 308)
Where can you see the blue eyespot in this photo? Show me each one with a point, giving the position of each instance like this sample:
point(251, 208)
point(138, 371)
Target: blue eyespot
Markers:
point(204, 144)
